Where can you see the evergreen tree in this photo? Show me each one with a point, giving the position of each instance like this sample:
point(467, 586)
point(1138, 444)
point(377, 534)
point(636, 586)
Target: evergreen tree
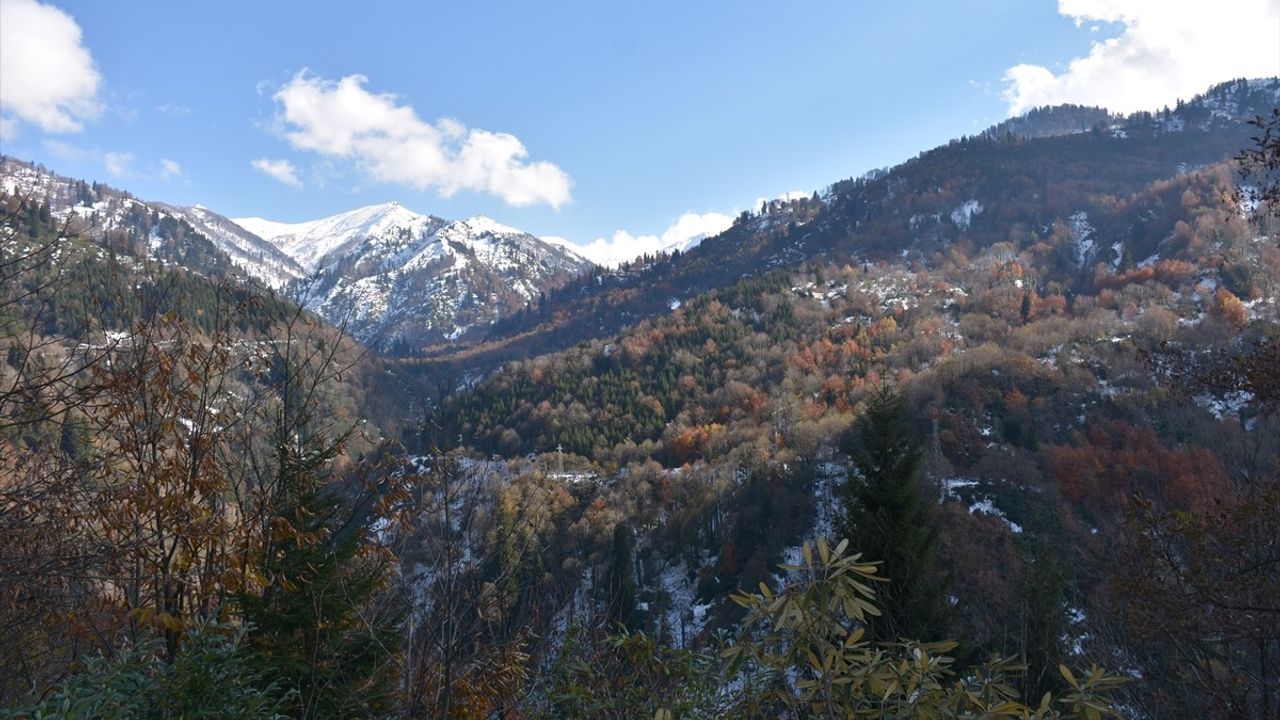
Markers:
point(213, 679)
point(885, 512)
point(308, 624)
point(1126, 258)
point(621, 580)
point(1042, 623)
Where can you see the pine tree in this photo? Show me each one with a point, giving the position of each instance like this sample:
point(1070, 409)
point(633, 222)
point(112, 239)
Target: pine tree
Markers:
point(307, 624)
point(1042, 616)
point(621, 580)
point(885, 512)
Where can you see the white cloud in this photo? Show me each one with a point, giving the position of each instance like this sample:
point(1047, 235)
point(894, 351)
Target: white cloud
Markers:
point(65, 150)
point(1166, 51)
point(47, 77)
point(388, 142)
point(281, 170)
point(119, 164)
point(689, 229)
point(169, 169)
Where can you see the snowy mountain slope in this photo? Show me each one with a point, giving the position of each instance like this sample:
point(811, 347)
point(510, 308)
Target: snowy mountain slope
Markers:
point(1226, 103)
point(310, 243)
point(395, 278)
point(1231, 102)
point(165, 231)
point(398, 279)
point(247, 250)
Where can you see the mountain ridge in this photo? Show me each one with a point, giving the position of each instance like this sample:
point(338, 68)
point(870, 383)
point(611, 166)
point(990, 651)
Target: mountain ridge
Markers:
point(407, 282)
point(395, 277)
point(156, 229)
point(915, 210)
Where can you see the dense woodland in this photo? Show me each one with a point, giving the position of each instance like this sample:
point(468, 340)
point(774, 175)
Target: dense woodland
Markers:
point(1055, 423)
point(1014, 460)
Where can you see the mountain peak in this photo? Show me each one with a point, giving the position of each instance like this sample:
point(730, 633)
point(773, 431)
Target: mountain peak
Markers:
point(404, 279)
point(311, 242)
point(485, 224)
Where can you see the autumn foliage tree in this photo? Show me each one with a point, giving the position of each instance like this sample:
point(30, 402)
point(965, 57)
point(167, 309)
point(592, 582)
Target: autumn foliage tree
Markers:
point(1197, 602)
point(156, 504)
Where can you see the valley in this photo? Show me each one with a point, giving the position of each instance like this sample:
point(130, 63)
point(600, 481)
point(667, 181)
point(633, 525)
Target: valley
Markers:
point(1032, 372)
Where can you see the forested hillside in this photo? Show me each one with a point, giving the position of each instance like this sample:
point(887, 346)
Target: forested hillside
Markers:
point(973, 193)
point(1081, 328)
point(1056, 406)
point(993, 433)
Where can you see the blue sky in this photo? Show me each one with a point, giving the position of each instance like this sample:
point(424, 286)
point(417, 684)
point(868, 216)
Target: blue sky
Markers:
point(630, 117)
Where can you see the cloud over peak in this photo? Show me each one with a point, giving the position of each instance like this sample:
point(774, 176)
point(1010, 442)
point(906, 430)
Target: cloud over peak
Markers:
point(1166, 51)
point(387, 141)
point(47, 77)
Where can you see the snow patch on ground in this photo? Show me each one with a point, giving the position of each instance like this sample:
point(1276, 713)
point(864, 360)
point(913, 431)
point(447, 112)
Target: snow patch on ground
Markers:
point(685, 617)
point(987, 507)
point(829, 474)
point(951, 490)
point(1228, 405)
point(1084, 234)
point(951, 486)
point(1076, 634)
point(963, 215)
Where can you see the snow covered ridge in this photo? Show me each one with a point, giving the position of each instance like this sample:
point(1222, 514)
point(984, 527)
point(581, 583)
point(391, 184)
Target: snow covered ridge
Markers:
point(1238, 99)
point(101, 209)
point(388, 230)
point(400, 279)
point(391, 275)
point(1234, 101)
point(311, 243)
point(247, 250)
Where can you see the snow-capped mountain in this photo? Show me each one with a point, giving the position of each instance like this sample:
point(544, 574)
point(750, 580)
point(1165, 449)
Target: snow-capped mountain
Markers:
point(310, 243)
point(166, 233)
point(398, 279)
point(246, 249)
